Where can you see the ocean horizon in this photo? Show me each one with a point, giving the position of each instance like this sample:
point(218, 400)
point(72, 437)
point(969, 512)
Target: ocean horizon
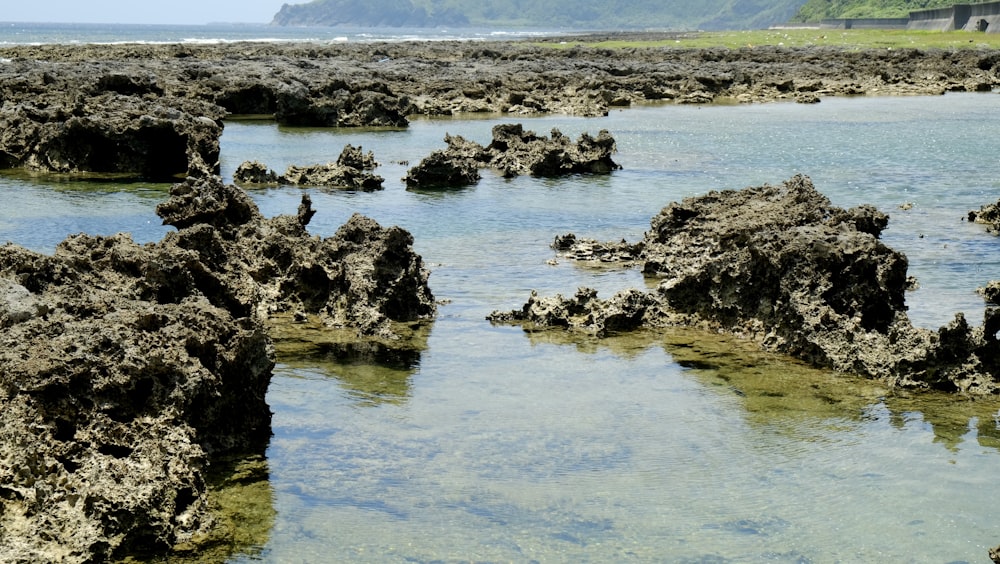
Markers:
point(35, 33)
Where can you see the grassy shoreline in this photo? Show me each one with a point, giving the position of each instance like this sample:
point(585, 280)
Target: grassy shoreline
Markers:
point(852, 39)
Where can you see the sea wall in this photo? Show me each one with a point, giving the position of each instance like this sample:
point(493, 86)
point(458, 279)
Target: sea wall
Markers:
point(940, 19)
point(865, 23)
point(984, 17)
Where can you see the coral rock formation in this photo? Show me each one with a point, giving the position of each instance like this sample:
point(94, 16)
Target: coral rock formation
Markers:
point(352, 171)
point(515, 151)
point(125, 368)
point(783, 267)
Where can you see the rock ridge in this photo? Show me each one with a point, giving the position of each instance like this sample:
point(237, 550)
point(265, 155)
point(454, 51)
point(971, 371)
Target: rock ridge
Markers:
point(781, 266)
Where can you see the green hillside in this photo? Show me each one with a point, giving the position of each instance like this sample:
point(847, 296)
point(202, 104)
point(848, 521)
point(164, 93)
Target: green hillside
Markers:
point(593, 14)
point(816, 10)
point(584, 14)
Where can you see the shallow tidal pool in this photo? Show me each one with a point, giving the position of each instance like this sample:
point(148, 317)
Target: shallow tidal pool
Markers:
point(491, 444)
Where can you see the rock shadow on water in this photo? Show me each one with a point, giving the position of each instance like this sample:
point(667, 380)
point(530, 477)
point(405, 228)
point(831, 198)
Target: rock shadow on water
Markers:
point(372, 371)
point(775, 388)
point(239, 489)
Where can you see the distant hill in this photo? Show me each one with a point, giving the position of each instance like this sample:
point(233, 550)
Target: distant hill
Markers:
point(816, 10)
point(580, 14)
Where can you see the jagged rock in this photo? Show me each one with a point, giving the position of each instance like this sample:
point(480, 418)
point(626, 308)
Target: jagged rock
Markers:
point(781, 266)
point(379, 84)
point(456, 166)
point(113, 399)
point(441, 168)
point(254, 172)
point(340, 105)
point(515, 151)
point(622, 252)
point(126, 368)
point(351, 171)
point(991, 292)
point(112, 133)
point(365, 276)
point(625, 311)
point(988, 215)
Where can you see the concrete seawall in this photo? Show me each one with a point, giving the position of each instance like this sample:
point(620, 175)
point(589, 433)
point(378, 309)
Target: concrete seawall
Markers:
point(865, 23)
point(984, 17)
point(969, 17)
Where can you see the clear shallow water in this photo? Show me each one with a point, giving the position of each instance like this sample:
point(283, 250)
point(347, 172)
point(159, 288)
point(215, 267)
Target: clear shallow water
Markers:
point(490, 444)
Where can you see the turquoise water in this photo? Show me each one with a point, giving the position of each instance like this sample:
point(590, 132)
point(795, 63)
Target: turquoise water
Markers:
point(491, 444)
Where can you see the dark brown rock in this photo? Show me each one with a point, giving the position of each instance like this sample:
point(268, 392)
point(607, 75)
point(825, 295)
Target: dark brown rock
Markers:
point(351, 171)
point(125, 369)
point(361, 84)
point(254, 172)
point(515, 151)
point(781, 266)
point(112, 133)
point(988, 215)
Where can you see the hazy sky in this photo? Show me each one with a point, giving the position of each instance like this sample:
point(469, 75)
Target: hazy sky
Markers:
point(142, 11)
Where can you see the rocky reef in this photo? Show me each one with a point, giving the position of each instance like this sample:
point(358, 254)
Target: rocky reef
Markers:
point(156, 110)
point(515, 151)
point(781, 266)
point(125, 369)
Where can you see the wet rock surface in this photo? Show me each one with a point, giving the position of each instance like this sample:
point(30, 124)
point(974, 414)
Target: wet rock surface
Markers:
point(352, 171)
point(125, 368)
point(515, 151)
point(456, 166)
point(146, 96)
point(988, 215)
point(781, 266)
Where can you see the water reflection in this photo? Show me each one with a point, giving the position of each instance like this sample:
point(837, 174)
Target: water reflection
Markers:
point(779, 391)
point(373, 372)
point(954, 420)
point(240, 493)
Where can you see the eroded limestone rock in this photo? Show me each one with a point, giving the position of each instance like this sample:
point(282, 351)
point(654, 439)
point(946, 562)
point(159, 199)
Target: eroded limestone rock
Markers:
point(111, 133)
point(515, 151)
point(783, 267)
point(126, 368)
point(351, 171)
point(988, 215)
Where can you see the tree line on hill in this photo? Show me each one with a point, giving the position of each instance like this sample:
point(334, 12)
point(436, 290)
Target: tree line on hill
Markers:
point(817, 10)
point(591, 14)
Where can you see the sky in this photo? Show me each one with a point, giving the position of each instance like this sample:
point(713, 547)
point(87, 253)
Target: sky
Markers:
point(142, 11)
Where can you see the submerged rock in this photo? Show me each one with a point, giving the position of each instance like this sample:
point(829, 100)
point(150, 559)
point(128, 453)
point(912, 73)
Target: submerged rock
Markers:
point(126, 368)
point(783, 267)
point(590, 250)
